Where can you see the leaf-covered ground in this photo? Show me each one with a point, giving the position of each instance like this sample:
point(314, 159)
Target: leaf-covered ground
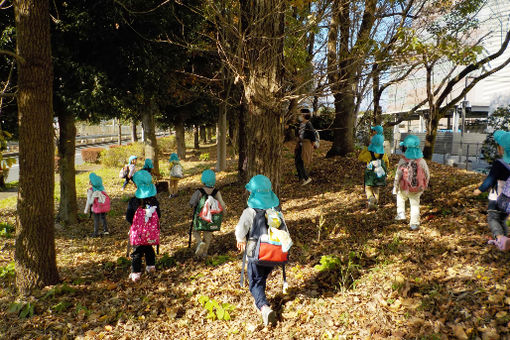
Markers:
point(384, 281)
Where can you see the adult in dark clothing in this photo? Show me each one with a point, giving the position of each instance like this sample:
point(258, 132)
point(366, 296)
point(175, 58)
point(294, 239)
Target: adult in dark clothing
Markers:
point(145, 199)
point(498, 174)
point(304, 147)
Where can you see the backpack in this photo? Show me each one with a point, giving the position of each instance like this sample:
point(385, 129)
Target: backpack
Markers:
point(376, 172)
point(208, 213)
point(124, 171)
point(268, 241)
point(503, 200)
point(413, 176)
point(144, 231)
point(104, 207)
point(176, 171)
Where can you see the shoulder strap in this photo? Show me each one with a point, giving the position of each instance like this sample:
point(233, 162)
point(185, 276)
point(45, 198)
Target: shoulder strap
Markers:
point(372, 156)
point(202, 191)
point(214, 192)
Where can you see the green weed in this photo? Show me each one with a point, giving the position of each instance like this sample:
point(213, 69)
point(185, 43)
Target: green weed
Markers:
point(7, 230)
point(218, 260)
point(7, 271)
point(220, 311)
point(58, 290)
point(61, 306)
point(166, 261)
point(204, 156)
point(23, 310)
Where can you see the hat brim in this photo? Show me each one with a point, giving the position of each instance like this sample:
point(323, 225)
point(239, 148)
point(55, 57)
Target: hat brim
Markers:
point(413, 153)
point(145, 190)
point(263, 200)
point(98, 188)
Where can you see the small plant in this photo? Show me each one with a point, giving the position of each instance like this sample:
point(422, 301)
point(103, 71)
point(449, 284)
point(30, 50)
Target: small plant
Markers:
point(166, 261)
point(218, 260)
point(80, 308)
point(58, 290)
point(61, 306)
point(123, 262)
point(7, 230)
point(7, 271)
point(328, 262)
point(216, 310)
point(23, 310)
point(349, 271)
point(204, 156)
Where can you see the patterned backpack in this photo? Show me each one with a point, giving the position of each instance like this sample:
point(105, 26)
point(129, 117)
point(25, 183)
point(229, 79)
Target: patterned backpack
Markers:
point(413, 176)
point(503, 200)
point(145, 227)
point(98, 207)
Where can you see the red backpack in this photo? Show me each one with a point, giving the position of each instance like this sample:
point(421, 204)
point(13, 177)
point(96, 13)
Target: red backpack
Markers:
point(413, 176)
point(104, 207)
point(144, 233)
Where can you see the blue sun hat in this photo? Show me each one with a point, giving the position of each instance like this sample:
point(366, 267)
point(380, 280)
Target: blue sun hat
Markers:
point(412, 144)
point(96, 181)
point(131, 159)
point(378, 129)
point(261, 195)
point(174, 157)
point(148, 164)
point(503, 139)
point(376, 144)
point(208, 178)
point(144, 186)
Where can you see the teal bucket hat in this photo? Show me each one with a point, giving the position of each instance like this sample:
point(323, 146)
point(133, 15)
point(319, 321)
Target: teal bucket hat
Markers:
point(96, 181)
point(144, 186)
point(148, 164)
point(503, 139)
point(378, 129)
point(174, 157)
point(376, 144)
point(208, 178)
point(412, 144)
point(261, 195)
point(131, 159)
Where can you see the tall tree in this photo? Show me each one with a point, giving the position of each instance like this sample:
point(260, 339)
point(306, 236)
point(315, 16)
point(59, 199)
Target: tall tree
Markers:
point(35, 239)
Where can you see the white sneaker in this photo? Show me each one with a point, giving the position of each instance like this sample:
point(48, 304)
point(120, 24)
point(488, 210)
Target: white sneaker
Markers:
point(400, 217)
point(135, 276)
point(150, 269)
point(200, 249)
point(306, 181)
point(268, 315)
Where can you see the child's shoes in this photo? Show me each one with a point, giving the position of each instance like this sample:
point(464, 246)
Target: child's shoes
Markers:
point(400, 217)
point(135, 276)
point(372, 204)
point(200, 249)
point(503, 243)
point(150, 269)
point(414, 227)
point(268, 315)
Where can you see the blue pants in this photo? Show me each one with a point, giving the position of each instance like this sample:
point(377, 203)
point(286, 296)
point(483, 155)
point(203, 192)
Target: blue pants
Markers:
point(257, 276)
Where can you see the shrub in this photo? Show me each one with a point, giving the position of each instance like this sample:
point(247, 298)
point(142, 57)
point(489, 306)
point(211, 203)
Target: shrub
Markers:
point(166, 145)
point(118, 156)
point(114, 146)
point(91, 155)
point(498, 120)
point(204, 156)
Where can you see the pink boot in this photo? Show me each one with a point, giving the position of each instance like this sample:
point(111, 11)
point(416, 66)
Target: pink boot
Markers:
point(502, 242)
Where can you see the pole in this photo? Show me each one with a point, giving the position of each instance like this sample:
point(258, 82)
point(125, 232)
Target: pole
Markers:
point(467, 157)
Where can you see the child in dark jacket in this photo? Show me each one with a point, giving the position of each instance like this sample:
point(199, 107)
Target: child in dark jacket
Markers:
point(498, 174)
point(143, 214)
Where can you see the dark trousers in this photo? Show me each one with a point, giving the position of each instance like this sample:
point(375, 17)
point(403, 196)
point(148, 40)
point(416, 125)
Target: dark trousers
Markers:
point(497, 222)
point(127, 181)
point(136, 257)
point(97, 218)
point(257, 276)
point(300, 165)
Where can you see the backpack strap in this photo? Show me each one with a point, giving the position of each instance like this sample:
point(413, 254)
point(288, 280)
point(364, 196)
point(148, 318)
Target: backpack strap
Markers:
point(214, 192)
point(242, 267)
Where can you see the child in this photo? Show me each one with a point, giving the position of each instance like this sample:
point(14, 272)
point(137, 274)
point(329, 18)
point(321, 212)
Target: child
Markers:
point(411, 179)
point(377, 164)
point(147, 165)
point(99, 210)
point(261, 197)
point(208, 180)
point(131, 170)
point(175, 174)
point(144, 231)
point(304, 146)
point(494, 182)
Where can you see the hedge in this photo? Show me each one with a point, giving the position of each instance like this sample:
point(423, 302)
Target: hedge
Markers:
point(91, 155)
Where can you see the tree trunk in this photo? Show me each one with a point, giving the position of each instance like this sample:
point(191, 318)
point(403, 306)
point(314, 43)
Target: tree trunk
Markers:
point(430, 136)
point(119, 133)
point(203, 136)
point(151, 143)
point(242, 143)
point(221, 139)
point(343, 135)
point(376, 73)
point(290, 131)
point(67, 212)
point(196, 141)
point(35, 231)
point(179, 138)
point(209, 134)
point(263, 22)
point(134, 136)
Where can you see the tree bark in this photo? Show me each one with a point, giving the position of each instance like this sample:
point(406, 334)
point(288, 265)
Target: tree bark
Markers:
point(430, 137)
point(35, 235)
point(203, 136)
point(151, 143)
point(263, 22)
point(196, 141)
point(209, 134)
point(376, 84)
point(179, 138)
point(67, 212)
point(221, 139)
point(134, 136)
point(242, 143)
